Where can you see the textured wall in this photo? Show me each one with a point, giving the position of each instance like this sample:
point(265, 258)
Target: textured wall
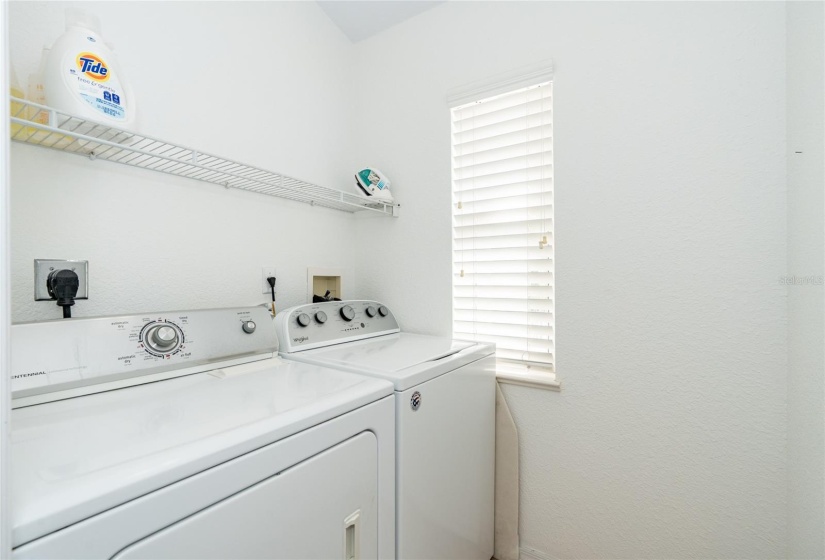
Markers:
point(668, 438)
point(262, 82)
point(806, 249)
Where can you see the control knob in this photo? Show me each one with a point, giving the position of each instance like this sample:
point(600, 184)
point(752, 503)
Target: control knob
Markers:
point(303, 320)
point(321, 317)
point(162, 338)
point(249, 327)
point(370, 311)
point(347, 313)
point(383, 311)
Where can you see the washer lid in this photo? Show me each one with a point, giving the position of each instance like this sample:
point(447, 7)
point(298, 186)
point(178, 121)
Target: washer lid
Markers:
point(75, 458)
point(405, 359)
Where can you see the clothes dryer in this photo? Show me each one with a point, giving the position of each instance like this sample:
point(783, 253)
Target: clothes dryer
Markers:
point(181, 435)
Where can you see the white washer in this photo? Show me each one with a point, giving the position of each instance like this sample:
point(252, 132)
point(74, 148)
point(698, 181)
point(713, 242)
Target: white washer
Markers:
point(445, 419)
point(181, 435)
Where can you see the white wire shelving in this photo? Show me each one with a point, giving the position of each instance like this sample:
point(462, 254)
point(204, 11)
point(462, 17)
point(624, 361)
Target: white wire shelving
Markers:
point(39, 125)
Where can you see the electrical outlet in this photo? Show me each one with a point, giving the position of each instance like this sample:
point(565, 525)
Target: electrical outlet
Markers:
point(42, 268)
point(266, 272)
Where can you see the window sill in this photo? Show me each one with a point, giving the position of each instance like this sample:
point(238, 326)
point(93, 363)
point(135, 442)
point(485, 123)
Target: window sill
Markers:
point(544, 381)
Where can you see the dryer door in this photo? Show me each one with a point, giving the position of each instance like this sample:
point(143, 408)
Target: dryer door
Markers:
point(324, 507)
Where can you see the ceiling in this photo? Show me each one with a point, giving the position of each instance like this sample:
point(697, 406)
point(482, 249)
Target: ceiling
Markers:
point(360, 19)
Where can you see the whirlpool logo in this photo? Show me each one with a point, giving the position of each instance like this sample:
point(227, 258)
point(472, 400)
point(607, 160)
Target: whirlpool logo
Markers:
point(93, 66)
point(300, 339)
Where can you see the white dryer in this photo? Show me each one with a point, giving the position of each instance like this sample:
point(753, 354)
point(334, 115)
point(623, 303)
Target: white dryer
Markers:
point(445, 419)
point(181, 435)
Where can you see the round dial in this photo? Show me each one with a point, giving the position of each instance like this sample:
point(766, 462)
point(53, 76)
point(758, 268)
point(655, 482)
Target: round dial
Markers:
point(162, 338)
point(370, 311)
point(347, 313)
point(383, 311)
point(303, 320)
point(321, 317)
point(249, 327)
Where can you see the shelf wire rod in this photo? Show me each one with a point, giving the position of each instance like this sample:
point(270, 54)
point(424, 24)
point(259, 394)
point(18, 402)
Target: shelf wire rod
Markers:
point(105, 151)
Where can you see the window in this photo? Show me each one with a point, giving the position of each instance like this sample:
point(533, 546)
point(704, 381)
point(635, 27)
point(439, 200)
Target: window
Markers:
point(503, 226)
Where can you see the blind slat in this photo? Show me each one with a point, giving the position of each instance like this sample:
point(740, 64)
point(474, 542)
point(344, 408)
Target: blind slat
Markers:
point(500, 279)
point(514, 202)
point(505, 267)
point(538, 346)
point(469, 242)
point(504, 177)
point(506, 139)
point(508, 317)
point(466, 120)
point(463, 161)
point(503, 127)
point(470, 192)
point(543, 358)
point(501, 304)
point(505, 216)
point(504, 228)
point(519, 162)
point(539, 334)
point(502, 254)
point(504, 292)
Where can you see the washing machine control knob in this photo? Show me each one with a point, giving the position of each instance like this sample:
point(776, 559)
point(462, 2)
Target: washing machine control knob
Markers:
point(249, 327)
point(303, 320)
point(383, 311)
point(370, 311)
point(347, 313)
point(321, 317)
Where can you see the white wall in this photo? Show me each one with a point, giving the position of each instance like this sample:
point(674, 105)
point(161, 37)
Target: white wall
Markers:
point(806, 247)
point(668, 438)
point(263, 83)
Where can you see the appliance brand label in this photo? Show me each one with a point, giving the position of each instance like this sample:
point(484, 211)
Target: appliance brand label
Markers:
point(32, 374)
point(93, 66)
point(300, 339)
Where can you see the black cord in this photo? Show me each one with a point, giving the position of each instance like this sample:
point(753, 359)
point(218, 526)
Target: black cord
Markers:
point(63, 285)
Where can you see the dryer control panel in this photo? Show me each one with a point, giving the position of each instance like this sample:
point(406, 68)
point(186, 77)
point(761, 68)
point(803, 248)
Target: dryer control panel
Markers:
point(80, 355)
point(316, 325)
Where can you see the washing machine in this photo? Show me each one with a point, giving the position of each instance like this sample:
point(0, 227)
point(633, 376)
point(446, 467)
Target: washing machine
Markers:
point(184, 435)
point(444, 412)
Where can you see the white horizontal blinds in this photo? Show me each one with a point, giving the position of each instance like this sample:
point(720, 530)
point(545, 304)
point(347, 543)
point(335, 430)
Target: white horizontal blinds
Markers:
point(503, 224)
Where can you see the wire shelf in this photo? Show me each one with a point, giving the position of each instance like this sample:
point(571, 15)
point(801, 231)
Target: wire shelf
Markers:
point(47, 127)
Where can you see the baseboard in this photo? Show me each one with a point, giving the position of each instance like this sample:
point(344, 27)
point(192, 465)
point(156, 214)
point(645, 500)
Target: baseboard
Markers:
point(527, 553)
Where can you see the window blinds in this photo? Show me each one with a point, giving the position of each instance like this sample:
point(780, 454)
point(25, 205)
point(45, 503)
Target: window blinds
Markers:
point(503, 225)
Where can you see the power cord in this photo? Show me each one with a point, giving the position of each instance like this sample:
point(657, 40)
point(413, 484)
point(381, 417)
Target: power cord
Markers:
point(271, 281)
point(63, 285)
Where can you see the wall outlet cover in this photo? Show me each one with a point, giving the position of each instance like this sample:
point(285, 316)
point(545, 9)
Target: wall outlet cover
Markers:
point(42, 268)
point(266, 272)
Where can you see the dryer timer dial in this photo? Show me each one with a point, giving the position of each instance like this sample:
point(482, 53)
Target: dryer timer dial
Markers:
point(161, 338)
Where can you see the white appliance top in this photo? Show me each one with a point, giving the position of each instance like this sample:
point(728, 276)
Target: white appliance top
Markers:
point(77, 457)
point(404, 359)
point(393, 353)
point(69, 357)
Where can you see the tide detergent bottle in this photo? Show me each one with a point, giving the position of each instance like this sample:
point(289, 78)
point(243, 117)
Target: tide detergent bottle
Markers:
point(83, 77)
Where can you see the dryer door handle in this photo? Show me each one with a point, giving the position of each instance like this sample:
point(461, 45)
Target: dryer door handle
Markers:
point(352, 536)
